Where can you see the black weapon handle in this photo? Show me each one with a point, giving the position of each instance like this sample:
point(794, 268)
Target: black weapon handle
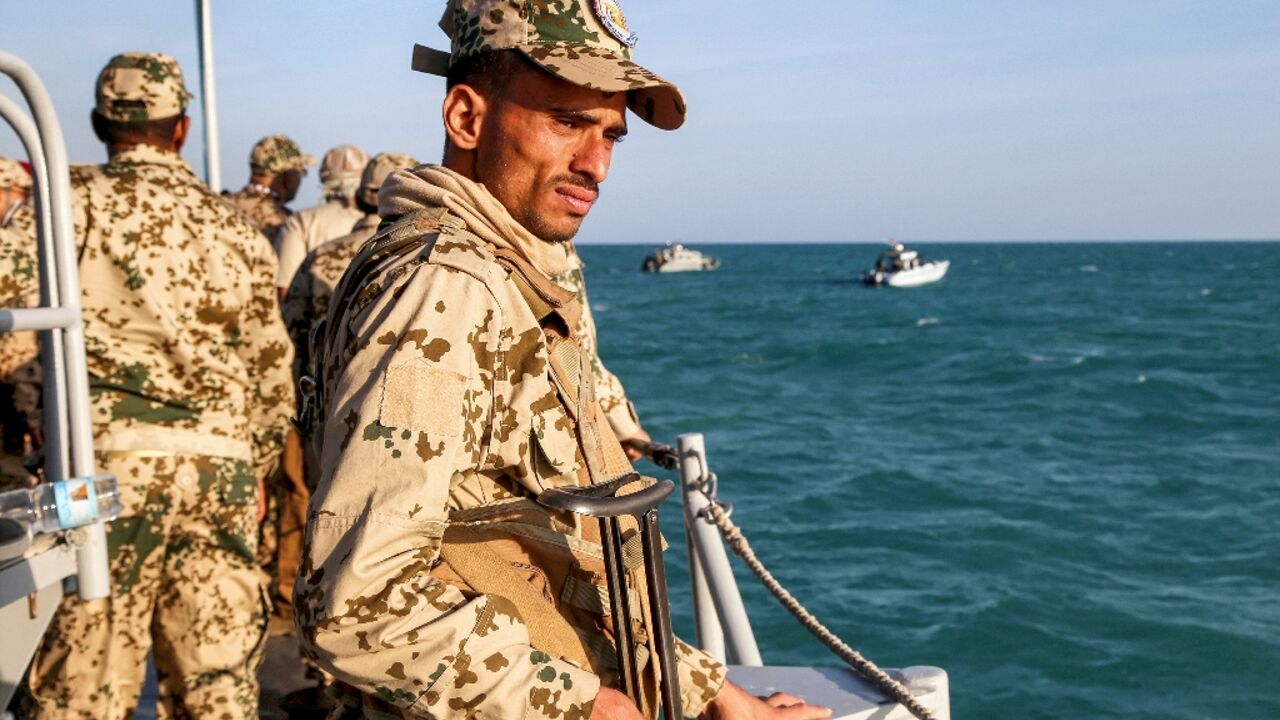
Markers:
point(600, 500)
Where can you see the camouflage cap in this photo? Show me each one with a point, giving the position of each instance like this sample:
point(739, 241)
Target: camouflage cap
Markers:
point(587, 47)
point(376, 172)
point(138, 86)
point(277, 153)
point(341, 162)
point(13, 174)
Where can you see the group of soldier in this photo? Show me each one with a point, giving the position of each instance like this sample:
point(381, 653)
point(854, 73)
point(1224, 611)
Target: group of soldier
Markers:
point(436, 322)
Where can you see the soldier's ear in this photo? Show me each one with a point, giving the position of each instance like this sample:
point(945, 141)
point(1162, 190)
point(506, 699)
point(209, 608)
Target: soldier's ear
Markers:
point(99, 127)
point(463, 113)
point(180, 131)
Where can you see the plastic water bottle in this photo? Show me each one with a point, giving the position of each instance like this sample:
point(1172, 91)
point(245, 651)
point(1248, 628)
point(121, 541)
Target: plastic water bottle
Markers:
point(50, 507)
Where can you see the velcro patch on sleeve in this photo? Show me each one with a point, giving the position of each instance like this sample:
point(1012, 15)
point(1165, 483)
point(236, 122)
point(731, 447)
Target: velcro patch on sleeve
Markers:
point(419, 396)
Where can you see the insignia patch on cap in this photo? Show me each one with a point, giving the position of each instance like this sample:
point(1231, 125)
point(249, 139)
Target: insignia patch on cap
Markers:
point(610, 14)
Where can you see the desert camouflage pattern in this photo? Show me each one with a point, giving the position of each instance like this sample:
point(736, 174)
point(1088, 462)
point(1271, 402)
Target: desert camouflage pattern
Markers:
point(183, 578)
point(307, 230)
point(276, 154)
point(307, 301)
point(261, 208)
point(376, 172)
point(441, 412)
point(185, 346)
point(343, 162)
point(190, 397)
point(586, 42)
point(609, 391)
point(137, 86)
point(19, 373)
point(13, 175)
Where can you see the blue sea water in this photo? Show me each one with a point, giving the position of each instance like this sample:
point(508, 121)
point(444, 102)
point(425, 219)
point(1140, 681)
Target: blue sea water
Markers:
point(1053, 474)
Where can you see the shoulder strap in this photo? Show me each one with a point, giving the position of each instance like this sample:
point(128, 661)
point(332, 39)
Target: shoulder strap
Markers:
point(397, 238)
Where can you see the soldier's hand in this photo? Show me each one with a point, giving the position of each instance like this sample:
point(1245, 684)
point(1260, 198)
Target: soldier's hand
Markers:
point(635, 445)
point(734, 703)
point(613, 705)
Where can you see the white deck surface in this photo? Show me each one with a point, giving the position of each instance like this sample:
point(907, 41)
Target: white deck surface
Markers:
point(848, 695)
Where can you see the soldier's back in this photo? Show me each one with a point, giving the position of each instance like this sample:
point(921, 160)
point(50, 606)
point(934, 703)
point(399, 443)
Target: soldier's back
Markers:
point(179, 311)
point(263, 211)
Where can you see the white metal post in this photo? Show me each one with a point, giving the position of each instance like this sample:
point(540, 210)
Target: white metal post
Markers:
point(93, 579)
point(208, 103)
point(713, 562)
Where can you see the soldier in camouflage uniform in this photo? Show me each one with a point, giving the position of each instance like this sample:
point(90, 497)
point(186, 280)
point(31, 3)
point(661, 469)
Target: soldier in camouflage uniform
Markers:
point(19, 391)
point(276, 168)
point(311, 227)
point(455, 387)
point(190, 396)
point(307, 301)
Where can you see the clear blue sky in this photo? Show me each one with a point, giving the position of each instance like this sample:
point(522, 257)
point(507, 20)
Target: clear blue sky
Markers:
point(809, 121)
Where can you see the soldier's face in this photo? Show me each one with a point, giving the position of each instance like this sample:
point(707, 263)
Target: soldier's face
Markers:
point(288, 184)
point(544, 149)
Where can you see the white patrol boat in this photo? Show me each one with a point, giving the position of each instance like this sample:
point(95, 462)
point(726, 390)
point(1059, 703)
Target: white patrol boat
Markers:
point(901, 267)
point(677, 258)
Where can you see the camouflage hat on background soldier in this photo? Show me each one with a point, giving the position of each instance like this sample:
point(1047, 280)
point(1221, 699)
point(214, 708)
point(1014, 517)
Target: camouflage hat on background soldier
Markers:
point(276, 154)
point(591, 49)
point(376, 172)
point(341, 163)
point(14, 175)
point(138, 86)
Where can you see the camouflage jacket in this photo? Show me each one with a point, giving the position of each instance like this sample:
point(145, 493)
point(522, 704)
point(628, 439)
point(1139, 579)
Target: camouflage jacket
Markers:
point(307, 230)
point(439, 406)
point(263, 211)
point(19, 373)
point(609, 391)
point(307, 301)
point(185, 345)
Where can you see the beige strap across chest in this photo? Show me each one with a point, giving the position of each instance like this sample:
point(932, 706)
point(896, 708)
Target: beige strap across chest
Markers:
point(557, 311)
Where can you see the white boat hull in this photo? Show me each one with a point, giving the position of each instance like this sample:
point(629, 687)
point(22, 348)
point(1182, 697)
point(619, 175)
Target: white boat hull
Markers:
point(685, 266)
point(915, 277)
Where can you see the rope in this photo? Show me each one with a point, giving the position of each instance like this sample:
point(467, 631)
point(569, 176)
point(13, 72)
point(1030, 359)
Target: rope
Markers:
point(864, 667)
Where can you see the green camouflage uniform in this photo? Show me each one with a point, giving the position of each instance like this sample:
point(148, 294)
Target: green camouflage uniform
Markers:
point(271, 155)
point(440, 412)
point(190, 397)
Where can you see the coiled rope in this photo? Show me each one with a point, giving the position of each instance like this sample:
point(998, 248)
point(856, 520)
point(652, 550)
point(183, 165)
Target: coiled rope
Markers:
point(738, 543)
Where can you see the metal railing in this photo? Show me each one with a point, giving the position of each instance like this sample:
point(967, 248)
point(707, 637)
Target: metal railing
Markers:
point(31, 588)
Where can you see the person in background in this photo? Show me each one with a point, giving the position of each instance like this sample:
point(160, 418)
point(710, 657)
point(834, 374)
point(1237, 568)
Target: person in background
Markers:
point(19, 376)
point(276, 168)
point(15, 189)
point(311, 227)
point(190, 395)
point(307, 300)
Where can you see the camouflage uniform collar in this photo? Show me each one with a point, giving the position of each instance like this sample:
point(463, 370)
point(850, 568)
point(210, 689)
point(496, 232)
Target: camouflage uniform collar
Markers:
point(149, 155)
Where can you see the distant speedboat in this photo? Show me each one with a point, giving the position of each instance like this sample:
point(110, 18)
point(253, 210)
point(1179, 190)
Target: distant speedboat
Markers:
point(900, 267)
point(677, 258)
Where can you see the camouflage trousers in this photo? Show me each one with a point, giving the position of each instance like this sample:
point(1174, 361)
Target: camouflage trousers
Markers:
point(185, 587)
